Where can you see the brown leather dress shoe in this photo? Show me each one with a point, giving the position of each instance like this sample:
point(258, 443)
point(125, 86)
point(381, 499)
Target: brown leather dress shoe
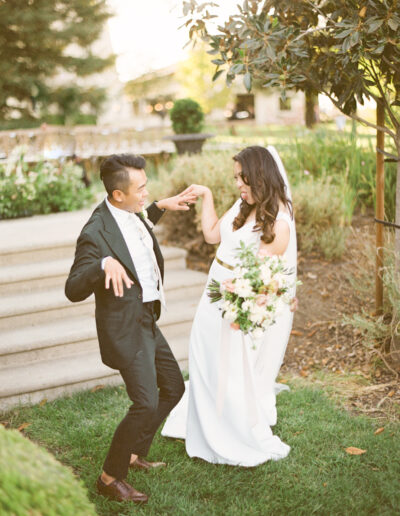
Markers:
point(120, 491)
point(141, 463)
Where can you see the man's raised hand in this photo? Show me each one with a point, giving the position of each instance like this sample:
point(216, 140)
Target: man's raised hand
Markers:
point(178, 202)
point(117, 275)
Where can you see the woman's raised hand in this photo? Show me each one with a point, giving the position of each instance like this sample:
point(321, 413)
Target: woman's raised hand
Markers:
point(197, 190)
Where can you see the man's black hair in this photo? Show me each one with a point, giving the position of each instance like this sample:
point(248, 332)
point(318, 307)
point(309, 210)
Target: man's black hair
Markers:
point(114, 171)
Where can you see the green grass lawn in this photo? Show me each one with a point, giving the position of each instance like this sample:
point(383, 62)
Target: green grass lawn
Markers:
point(318, 476)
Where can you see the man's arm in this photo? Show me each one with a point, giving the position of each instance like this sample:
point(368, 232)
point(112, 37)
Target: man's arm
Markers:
point(178, 202)
point(86, 270)
point(154, 212)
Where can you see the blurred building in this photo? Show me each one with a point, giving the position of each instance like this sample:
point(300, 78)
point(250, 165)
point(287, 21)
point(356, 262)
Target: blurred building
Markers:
point(153, 94)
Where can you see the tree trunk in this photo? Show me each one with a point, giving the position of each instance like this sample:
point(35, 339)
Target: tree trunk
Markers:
point(397, 231)
point(380, 207)
point(395, 344)
point(311, 108)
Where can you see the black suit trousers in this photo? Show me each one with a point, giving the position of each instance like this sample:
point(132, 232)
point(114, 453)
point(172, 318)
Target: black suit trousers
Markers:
point(154, 383)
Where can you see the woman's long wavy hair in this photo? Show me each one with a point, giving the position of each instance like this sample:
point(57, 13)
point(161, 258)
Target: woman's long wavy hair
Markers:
point(261, 173)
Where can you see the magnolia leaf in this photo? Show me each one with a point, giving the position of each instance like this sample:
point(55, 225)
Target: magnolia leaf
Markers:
point(351, 450)
point(374, 25)
point(217, 74)
point(236, 68)
point(247, 81)
point(43, 402)
point(393, 24)
point(379, 430)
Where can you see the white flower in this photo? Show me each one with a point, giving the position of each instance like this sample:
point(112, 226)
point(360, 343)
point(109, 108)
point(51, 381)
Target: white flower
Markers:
point(243, 288)
point(280, 278)
point(265, 273)
point(257, 333)
point(247, 305)
point(269, 319)
point(145, 217)
point(226, 305)
point(239, 272)
point(257, 314)
point(230, 313)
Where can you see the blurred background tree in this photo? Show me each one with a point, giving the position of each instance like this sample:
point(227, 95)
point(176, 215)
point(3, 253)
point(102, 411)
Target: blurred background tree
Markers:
point(45, 54)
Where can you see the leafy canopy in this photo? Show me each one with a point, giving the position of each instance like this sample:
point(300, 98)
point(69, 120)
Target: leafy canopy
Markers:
point(346, 49)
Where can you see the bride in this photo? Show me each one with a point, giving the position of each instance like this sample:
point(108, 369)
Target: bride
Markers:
point(227, 413)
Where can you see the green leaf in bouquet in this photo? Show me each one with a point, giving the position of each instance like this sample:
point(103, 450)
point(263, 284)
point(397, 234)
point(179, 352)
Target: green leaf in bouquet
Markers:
point(214, 292)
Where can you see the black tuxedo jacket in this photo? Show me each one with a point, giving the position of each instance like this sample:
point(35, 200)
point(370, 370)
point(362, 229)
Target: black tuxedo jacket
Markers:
point(118, 319)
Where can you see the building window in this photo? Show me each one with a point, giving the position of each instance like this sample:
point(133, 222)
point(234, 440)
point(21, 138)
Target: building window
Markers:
point(285, 105)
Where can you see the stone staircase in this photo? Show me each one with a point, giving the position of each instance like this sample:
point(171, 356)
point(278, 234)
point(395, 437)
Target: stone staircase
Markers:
point(48, 346)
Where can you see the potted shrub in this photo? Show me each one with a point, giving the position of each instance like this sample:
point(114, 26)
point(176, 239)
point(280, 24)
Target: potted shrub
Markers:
point(187, 119)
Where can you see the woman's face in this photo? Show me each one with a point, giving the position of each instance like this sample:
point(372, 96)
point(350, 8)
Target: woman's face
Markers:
point(245, 190)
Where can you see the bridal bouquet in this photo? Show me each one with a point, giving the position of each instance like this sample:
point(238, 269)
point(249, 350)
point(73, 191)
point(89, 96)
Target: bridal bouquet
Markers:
point(256, 294)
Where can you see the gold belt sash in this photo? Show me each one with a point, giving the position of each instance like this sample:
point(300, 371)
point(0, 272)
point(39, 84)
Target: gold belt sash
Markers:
point(226, 265)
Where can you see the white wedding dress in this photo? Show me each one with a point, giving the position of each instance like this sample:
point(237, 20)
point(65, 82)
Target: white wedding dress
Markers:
point(229, 407)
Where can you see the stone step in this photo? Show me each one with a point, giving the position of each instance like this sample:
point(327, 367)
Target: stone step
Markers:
point(43, 237)
point(54, 378)
point(75, 335)
point(28, 277)
point(31, 308)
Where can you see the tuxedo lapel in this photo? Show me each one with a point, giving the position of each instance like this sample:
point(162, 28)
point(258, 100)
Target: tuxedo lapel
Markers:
point(113, 236)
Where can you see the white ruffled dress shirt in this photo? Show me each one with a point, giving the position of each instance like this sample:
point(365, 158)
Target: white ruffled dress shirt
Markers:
point(140, 246)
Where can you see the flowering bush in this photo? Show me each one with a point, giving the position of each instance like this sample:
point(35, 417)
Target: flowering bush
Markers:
point(46, 187)
point(256, 294)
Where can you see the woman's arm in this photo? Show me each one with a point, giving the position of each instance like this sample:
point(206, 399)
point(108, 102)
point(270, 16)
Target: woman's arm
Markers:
point(209, 218)
point(279, 245)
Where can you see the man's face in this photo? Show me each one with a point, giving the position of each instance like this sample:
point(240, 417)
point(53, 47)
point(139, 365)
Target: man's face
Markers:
point(134, 198)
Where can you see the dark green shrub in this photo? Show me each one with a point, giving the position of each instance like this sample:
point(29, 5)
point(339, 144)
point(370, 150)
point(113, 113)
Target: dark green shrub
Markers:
point(46, 187)
point(323, 212)
point(186, 116)
point(33, 482)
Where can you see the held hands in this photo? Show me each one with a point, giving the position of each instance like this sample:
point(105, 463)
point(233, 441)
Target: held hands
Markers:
point(178, 202)
point(117, 275)
point(197, 190)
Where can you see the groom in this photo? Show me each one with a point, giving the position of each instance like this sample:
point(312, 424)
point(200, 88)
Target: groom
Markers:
point(118, 258)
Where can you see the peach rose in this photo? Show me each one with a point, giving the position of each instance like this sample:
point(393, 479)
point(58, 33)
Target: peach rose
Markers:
point(261, 299)
point(229, 286)
point(235, 326)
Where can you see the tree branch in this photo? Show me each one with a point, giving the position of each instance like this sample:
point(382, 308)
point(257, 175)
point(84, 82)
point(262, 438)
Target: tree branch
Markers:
point(361, 120)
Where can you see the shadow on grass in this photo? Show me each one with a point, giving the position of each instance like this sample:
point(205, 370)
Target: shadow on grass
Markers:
point(318, 476)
